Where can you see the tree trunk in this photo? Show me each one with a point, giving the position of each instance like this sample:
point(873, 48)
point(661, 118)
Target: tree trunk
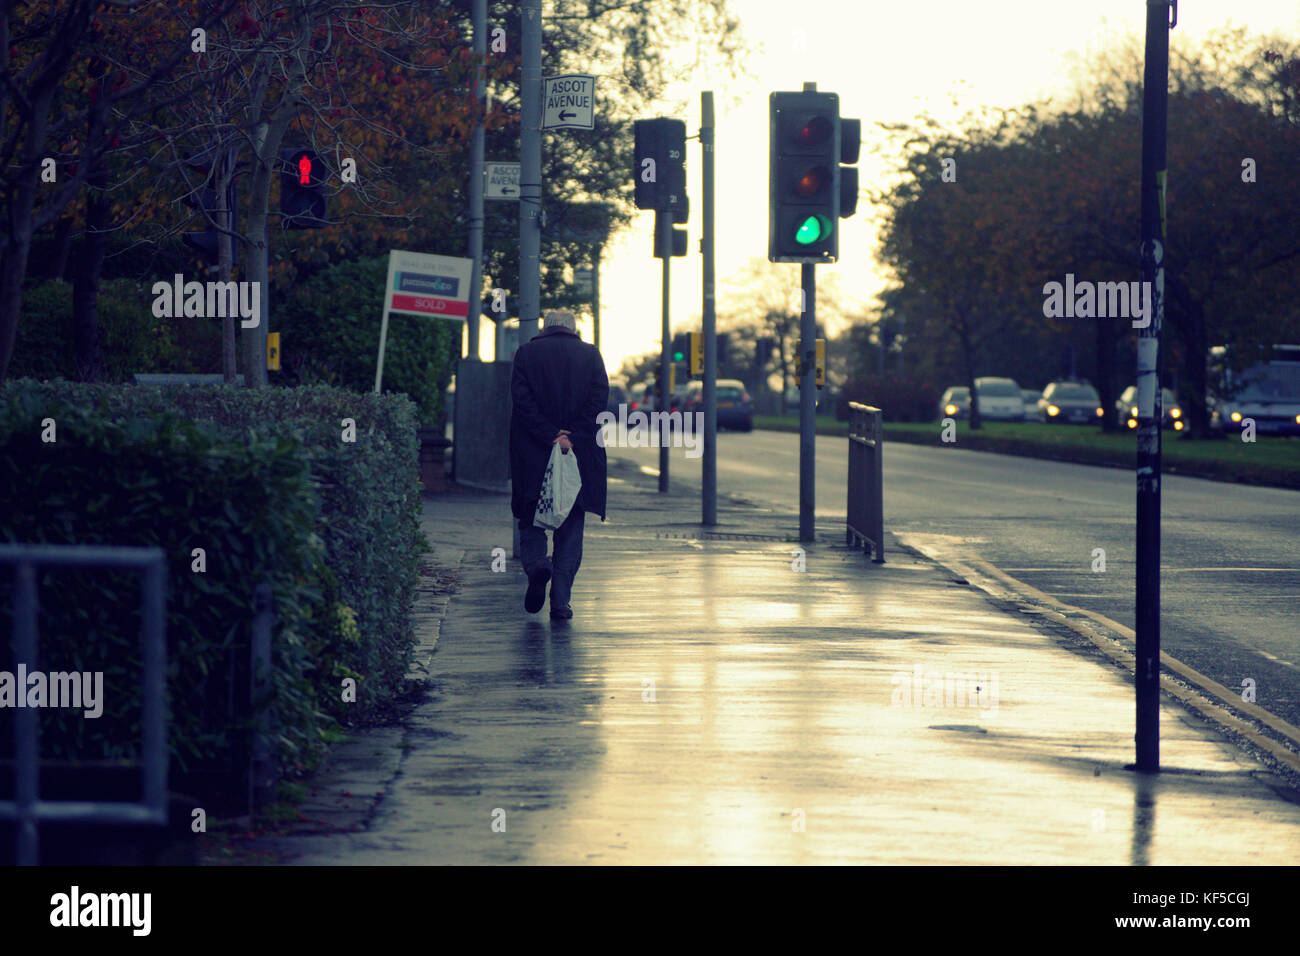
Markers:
point(62, 245)
point(85, 289)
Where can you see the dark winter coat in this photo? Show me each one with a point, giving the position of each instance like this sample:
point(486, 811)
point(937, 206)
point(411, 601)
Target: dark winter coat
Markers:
point(558, 382)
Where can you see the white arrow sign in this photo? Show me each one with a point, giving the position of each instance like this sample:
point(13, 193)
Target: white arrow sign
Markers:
point(569, 102)
point(502, 181)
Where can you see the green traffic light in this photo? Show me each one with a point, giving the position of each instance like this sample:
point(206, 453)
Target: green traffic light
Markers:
point(812, 230)
point(678, 356)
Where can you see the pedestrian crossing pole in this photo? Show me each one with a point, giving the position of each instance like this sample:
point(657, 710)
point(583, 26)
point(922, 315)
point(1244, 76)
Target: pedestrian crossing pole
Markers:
point(1147, 664)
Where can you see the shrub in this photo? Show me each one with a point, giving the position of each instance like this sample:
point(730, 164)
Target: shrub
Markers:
point(128, 475)
point(132, 339)
point(330, 334)
point(902, 398)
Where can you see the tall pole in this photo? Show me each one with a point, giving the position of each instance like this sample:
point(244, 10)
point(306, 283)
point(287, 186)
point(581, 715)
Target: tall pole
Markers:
point(664, 229)
point(476, 184)
point(530, 171)
point(595, 297)
point(1147, 674)
point(808, 403)
point(709, 490)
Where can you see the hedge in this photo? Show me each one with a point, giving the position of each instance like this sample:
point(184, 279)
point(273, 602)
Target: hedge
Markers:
point(330, 334)
point(264, 482)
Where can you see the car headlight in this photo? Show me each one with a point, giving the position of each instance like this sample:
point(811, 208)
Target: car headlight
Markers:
point(1132, 423)
point(1133, 411)
point(950, 409)
point(1100, 413)
point(1175, 412)
point(1053, 410)
point(1235, 416)
point(1178, 426)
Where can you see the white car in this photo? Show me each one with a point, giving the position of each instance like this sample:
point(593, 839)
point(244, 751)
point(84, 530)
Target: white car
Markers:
point(999, 399)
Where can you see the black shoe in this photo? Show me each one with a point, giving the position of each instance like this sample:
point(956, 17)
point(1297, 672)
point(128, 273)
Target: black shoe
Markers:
point(535, 597)
point(562, 613)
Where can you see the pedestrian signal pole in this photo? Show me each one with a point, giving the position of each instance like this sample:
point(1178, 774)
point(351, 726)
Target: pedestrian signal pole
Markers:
point(809, 191)
point(1146, 675)
point(659, 183)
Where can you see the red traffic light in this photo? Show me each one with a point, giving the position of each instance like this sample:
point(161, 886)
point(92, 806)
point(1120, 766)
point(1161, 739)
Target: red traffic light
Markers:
point(815, 132)
point(304, 170)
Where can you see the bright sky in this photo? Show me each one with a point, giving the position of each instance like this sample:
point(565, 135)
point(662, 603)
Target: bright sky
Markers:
point(888, 62)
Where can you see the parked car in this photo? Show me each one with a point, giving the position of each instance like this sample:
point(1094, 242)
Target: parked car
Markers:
point(1072, 402)
point(999, 399)
point(1126, 409)
point(1030, 398)
point(1267, 393)
point(735, 408)
point(955, 402)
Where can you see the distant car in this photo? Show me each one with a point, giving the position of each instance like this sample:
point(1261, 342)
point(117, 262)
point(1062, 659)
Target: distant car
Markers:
point(617, 397)
point(1030, 398)
point(1126, 409)
point(641, 398)
point(999, 399)
point(1069, 402)
point(955, 403)
point(735, 408)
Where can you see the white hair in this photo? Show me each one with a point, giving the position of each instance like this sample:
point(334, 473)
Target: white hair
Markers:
point(563, 319)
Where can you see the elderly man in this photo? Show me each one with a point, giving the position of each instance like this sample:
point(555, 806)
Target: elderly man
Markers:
point(558, 388)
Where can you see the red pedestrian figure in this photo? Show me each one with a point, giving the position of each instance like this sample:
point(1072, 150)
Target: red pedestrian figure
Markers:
point(304, 171)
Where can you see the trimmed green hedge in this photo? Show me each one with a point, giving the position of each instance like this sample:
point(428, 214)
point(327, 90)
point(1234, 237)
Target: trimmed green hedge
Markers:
point(264, 482)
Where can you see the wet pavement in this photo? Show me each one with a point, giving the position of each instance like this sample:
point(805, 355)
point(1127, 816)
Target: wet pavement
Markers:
point(709, 703)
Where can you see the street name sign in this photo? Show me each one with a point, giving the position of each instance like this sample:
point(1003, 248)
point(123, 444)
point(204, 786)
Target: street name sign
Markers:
point(502, 181)
point(569, 102)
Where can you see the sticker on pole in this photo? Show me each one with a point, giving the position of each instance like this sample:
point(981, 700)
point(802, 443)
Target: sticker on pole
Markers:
point(428, 285)
point(569, 102)
point(502, 181)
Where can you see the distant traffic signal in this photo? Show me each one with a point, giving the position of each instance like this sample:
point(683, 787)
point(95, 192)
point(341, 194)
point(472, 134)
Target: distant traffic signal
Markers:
point(808, 189)
point(681, 342)
point(302, 189)
point(697, 353)
point(659, 165)
point(206, 243)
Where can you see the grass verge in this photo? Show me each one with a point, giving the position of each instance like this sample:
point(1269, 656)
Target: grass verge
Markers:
point(1266, 461)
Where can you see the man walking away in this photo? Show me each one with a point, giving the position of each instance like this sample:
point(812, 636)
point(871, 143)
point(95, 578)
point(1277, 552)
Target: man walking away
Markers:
point(558, 387)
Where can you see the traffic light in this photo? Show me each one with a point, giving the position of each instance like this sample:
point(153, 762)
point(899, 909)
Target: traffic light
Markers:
point(302, 189)
point(808, 188)
point(659, 165)
point(763, 351)
point(697, 353)
point(724, 340)
point(205, 243)
point(678, 240)
point(681, 342)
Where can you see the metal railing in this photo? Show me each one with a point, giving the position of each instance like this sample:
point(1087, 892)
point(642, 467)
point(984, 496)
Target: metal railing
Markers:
point(866, 520)
point(27, 808)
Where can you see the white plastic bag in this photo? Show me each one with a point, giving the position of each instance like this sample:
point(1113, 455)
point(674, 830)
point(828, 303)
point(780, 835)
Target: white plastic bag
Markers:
point(560, 487)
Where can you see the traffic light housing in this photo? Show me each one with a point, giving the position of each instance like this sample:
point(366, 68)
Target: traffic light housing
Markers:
point(850, 147)
point(812, 182)
point(697, 353)
point(302, 189)
point(681, 343)
point(659, 165)
point(804, 177)
point(678, 241)
point(206, 243)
